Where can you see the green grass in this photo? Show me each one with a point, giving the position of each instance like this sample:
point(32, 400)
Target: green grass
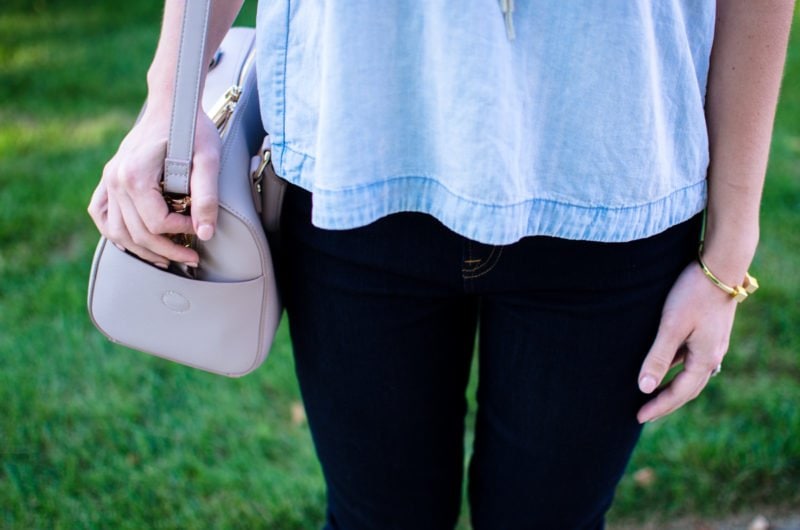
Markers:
point(97, 436)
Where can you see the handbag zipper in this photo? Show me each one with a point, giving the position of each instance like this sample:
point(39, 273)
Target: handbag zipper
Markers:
point(222, 110)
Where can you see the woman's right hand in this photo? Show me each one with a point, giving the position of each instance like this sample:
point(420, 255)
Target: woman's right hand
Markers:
point(128, 207)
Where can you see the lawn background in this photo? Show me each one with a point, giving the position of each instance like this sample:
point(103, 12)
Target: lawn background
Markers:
point(97, 436)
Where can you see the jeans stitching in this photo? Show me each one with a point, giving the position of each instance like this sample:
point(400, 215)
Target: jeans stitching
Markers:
point(479, 262)
point(485, 268)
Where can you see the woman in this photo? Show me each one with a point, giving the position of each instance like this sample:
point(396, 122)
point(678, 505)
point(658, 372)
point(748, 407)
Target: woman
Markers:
point(536, 172)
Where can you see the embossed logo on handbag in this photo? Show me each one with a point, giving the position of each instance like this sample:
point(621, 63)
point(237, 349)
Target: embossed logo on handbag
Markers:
point(175, 301)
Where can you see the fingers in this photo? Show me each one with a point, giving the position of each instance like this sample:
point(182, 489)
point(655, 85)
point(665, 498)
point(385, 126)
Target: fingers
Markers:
point(672, 334)
point(116, 231)
point(679, 357)
point(686, 386)
point(119, 220)
point(144, 205)
point(137, 179)
point(699, 352)
point(205, 197)
point(145, 244)
point(98, 206)
point(128, 206)
point(694, 329)
point(204, 187)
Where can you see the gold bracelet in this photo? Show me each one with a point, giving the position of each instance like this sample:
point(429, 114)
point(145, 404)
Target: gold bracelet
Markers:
point(738, 292)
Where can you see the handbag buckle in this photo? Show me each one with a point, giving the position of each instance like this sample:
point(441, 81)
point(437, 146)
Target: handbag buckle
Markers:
point(258, 174)
point(181, 204)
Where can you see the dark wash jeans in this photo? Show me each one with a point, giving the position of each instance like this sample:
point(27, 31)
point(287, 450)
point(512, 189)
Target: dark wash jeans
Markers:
point(383, 320)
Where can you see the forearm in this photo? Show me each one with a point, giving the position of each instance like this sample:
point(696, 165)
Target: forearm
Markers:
point(161, 75)
point(746, 67)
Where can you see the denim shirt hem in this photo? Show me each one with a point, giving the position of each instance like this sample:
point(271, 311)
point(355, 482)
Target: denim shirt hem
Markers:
point(488, 223)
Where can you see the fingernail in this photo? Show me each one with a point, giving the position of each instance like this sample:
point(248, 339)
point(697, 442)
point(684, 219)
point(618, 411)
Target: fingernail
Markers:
point(646, 419)
point(205, 232)
point(161, 265)
point(119, 247)
point(192, 264)
point(647, 384)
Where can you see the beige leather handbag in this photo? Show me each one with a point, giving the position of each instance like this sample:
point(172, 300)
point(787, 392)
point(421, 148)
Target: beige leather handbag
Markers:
point(221, 318)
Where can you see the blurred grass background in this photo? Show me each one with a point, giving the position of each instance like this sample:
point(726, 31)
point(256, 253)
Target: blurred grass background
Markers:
point(96, 436)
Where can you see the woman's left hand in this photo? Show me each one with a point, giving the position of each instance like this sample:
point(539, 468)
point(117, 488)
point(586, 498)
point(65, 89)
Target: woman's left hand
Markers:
point(695, 329)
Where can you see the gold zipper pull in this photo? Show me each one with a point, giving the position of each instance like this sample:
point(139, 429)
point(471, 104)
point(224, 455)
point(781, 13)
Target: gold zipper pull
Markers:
point(222, 110)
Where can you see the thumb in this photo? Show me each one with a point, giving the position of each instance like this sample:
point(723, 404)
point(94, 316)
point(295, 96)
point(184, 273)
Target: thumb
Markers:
point(669, 339)
point(205, 194)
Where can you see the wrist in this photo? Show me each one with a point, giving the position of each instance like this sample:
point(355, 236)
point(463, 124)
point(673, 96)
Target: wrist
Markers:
point(729, 258)
point(156, 115)
point(725, 257)
point(160, 88)
point(729, 245)
point(737, 291)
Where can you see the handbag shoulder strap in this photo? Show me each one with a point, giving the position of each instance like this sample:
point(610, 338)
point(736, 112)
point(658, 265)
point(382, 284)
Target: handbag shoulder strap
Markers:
point(185, 102)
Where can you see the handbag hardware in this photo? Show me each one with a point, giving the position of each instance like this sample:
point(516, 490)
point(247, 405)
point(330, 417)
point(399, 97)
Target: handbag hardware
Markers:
point(222, 110)
point(258, 175)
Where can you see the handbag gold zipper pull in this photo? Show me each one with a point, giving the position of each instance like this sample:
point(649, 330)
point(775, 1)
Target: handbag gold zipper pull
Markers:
point(222, 110)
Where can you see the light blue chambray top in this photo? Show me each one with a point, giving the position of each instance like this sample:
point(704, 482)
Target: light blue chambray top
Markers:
point(580, 120)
